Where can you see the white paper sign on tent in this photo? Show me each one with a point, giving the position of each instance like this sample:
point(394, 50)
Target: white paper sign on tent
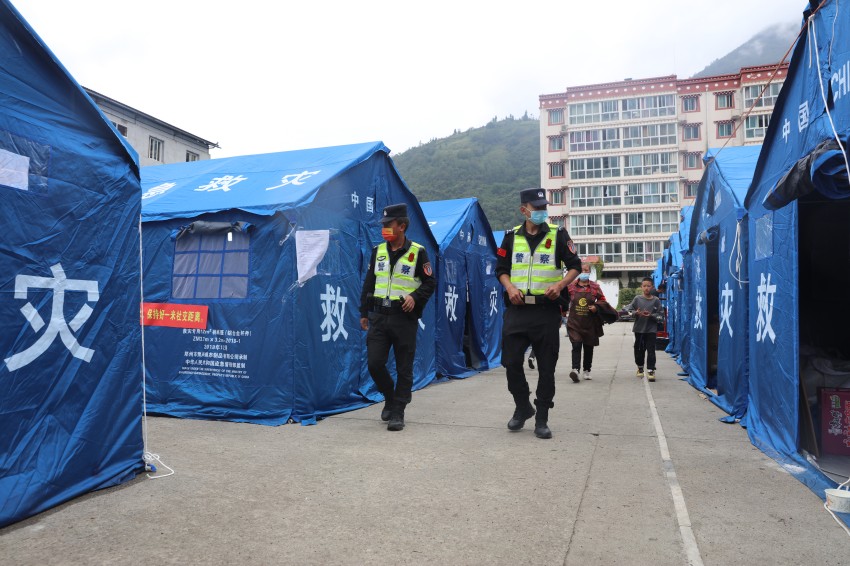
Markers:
point(310, 247)
point(14, 170)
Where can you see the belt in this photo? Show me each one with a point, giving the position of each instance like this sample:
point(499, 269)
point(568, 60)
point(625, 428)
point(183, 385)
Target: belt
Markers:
point(537, 300)
point(386, 306)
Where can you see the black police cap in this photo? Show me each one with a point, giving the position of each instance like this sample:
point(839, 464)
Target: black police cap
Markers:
point(534, 197)
point(394, 212)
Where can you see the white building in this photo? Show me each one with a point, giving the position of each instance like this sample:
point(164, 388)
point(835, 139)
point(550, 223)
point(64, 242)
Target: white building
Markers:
point(156, 141)
point(619, 160)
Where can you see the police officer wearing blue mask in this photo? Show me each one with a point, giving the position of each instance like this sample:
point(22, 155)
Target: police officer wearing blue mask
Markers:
point(531, 261)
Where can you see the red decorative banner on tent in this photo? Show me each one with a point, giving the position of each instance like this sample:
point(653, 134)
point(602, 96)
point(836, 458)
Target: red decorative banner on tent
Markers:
point(174, 315)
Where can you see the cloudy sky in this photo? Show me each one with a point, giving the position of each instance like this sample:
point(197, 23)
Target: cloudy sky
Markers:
point(259, 76)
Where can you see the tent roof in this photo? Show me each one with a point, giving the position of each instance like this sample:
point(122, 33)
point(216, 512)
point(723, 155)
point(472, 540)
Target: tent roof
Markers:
point(734, 167)
point(259, 184)
point(445, 218)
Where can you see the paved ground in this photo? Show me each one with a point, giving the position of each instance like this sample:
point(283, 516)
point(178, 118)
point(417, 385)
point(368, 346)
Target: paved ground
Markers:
point(636, 474)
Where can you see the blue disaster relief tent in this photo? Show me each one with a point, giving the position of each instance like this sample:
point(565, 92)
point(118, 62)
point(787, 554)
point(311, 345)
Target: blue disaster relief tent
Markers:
point(673, 274)
point(70, 377)
point(685, 285)
point(468, 296)
point(718, 241)
point(799, 222)
point(253, 269)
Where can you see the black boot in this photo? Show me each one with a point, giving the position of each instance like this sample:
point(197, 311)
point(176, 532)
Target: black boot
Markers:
point(523, 412)
point(541, 428)
point(388, 407)
point(396, 418)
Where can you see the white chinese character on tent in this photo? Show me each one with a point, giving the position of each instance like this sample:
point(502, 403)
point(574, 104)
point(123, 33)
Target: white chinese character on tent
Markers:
point(494, 296)
point(355, 199)
point(786, 129)
point(57, 326)
point(157, 190)
point(294, 179)
point(221, 183)
point(451, 303)
point(765, 305)
point(333, 307)
point(370, 204)
point(726, 297)
point(803, 116)
point(698, 309)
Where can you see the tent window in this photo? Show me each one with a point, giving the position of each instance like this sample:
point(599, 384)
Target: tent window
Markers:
point(23, 163)
point(764, 236)
point(211, 266)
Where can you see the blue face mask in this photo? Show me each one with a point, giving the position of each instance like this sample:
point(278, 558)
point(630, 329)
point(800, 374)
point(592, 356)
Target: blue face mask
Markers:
point(539, 216)
point(584, 276)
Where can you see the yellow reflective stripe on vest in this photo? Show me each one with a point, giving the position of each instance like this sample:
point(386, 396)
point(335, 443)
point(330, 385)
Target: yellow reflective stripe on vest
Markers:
point(534, 272)
point(402, 280)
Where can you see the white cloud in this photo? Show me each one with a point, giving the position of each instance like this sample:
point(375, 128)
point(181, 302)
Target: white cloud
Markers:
point(259, 77)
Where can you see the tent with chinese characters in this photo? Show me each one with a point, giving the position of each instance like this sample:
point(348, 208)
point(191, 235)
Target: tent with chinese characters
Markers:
point(468, 296)
point(70, 354)
point(799, 225)
point(718, 286)
point(268, 254)
point(685, 304)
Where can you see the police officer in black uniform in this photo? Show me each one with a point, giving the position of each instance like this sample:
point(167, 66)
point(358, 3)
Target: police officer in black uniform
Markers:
point(398, 284)
point(530, 266)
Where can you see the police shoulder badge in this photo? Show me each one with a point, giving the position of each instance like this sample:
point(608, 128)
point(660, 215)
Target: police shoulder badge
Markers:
point(426, 268)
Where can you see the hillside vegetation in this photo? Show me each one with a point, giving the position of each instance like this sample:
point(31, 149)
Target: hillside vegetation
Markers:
point(492, 163)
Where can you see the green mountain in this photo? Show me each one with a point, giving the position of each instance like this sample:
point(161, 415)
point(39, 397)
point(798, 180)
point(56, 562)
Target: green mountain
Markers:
point(492, 163)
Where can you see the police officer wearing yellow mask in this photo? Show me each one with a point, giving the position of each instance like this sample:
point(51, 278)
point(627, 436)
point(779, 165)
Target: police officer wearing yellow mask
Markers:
point(530, 265)
point(399, 282)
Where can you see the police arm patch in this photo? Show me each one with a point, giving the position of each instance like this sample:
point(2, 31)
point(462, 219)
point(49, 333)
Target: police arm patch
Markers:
point(426, 268)
point(571, 246)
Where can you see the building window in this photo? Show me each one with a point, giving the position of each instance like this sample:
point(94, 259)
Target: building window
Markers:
point(558, 221)
point(650, 164)
point(752, 92)
point(155, 148)
point(191, 156)
point(211, 266)
point(610, 110)
point(603, 195)
point(595, 140)
point(644, 251)
point(690, 132)
point(648, 106)
point(556, 143)
point(610, 252)
point(690, 104)
point(595, 224)
point(556, 170)
point(651, 193)
point(595, 167)
point(725, 129)
point(692, 161)
point(122, 129)
point(691, 188)
point(756, 126)
point(650, 135)
point(556, 197)
point(556, 116)
point(585, 113)
point(665, 222)
point(724, 100)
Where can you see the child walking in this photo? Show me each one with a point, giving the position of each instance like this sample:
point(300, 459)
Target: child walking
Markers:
point(645, 306)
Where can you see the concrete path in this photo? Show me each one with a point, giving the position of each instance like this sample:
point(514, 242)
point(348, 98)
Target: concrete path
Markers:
point(636, 474)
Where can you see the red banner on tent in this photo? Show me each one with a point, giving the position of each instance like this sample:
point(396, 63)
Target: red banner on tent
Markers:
point(174, 315)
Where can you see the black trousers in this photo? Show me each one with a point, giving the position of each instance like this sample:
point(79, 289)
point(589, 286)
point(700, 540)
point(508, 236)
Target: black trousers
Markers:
point(396, 331)
point(536, 326)
point(645, 347)
point(588, 356)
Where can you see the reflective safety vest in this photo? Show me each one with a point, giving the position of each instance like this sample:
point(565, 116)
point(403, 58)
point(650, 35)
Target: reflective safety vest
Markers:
point(402, 280)
point(534, 272)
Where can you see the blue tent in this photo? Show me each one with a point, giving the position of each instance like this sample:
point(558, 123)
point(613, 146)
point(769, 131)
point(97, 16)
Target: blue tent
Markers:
point(70, 377)
point(468, 293)
point(685, 313)
point(274, 248)
point(672, 272)
point(798, 221)
point(718, 240)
